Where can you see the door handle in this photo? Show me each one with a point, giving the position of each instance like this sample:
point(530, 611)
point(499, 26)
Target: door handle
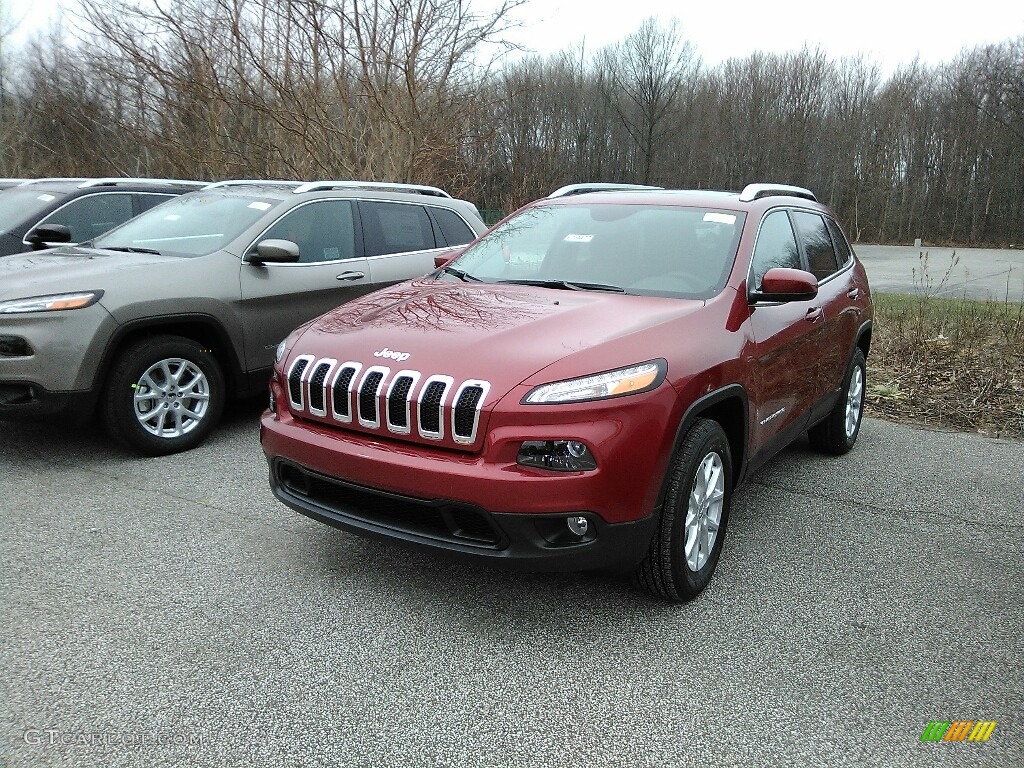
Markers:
point(813, 314)
point(351, 276)
point(853, 293)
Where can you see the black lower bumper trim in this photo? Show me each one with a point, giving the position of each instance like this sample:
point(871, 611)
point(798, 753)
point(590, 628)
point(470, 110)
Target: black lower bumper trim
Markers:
point(504, 538)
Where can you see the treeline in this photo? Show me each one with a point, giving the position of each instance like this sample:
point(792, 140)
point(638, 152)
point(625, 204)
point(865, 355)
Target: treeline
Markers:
point(403, 91)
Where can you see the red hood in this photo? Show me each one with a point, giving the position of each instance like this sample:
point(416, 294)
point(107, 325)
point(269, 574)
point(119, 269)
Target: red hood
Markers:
point(498, 334)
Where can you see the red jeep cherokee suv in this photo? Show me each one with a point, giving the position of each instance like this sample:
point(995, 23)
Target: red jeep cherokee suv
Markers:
point(584, 386)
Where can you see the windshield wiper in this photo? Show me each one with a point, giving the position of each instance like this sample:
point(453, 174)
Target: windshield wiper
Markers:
point(131, 249)
point(567, 285)
point(463, 276)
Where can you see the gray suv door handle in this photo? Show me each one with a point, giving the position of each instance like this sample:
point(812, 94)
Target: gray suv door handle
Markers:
point(351, 276)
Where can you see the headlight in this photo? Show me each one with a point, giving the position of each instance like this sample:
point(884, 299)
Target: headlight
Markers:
point(281, 351)
point(52, 303)
point(623, 381)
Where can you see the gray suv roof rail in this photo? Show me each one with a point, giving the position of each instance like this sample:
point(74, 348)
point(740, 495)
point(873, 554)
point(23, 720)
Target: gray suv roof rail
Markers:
point(244, 182)
point(381, 185)
point(757, 191)
point(115, 180)
point(597, 186)
point(54, 178)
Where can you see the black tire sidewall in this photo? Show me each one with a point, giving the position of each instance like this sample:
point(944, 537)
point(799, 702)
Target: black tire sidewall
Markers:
point(705, 437)
point(136, 359)
point(840, 413)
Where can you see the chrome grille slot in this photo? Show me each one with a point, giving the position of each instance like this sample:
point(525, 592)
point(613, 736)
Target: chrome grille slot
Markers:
point(295, 380)
point(341, 391)
point(466, 411)
point(369, 392)
point(430, 415)
point(318, 388)
point(399, 401)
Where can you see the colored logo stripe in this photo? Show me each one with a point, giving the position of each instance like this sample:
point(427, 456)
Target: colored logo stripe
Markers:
point(959, 730)
point(982, 730)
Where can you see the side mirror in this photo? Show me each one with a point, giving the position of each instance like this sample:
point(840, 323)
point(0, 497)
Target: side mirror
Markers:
point(45, 234)
point(274, 252)
point(443, 258)
point(785, 284)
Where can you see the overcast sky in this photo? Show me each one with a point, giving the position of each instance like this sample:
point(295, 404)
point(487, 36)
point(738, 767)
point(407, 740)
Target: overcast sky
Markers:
point(890, 32)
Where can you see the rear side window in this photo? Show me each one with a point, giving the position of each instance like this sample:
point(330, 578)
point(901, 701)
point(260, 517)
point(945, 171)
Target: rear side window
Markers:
point(147, 200)
point(90, 216)
point(776, 247)
point(843, 250)
point(453, 229)
point(323, 231)
point(821, 257)
point(395, 228)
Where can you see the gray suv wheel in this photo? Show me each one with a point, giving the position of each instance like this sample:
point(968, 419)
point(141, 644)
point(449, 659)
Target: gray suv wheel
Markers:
point(164, 394)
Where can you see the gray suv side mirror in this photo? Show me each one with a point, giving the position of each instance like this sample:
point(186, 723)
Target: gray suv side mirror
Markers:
point(44, 234)
point(274, 252)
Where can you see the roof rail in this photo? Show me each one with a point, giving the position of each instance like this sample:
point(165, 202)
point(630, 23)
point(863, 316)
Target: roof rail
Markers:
point(597, 186)
point(115, 180)
point(242, 182)
point(53, 178)
point(381, 185)
point(757, 191)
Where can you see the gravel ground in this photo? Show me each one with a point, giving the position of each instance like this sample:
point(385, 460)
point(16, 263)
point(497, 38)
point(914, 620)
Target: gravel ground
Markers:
point(169, 612)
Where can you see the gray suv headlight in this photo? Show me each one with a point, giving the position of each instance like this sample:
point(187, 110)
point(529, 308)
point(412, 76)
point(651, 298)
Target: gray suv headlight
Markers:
point(54, 302)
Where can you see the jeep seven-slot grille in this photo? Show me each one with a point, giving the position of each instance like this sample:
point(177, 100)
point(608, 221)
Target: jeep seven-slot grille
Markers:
point(295, 381)
point(316, 387)
point(397, 415)
point(466, 410)
point(368, 396)
point(440, 519)
point(339, 393)
point(430, 406)
point(439, 409)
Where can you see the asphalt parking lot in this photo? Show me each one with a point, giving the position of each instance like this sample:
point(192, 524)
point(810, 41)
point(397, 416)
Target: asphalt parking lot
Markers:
point(169, 612)
point(989, 274)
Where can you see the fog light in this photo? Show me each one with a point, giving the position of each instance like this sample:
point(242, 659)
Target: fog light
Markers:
point(578, 525)
point(560, 455)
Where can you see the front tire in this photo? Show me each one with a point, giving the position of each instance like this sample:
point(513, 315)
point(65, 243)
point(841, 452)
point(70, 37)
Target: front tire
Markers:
point(688, 543)
point(165, 394)
point(838, 432)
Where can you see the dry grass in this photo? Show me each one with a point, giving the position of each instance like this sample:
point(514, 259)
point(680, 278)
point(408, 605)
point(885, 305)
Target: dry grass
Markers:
point(953, 363)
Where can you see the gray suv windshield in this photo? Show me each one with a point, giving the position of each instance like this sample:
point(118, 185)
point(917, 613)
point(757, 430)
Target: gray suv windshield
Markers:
point(17, 205)
point(190, 225)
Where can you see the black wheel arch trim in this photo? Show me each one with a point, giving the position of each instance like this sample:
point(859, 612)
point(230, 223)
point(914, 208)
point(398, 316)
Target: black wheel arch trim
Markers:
point(696, 410)
point(233, 371)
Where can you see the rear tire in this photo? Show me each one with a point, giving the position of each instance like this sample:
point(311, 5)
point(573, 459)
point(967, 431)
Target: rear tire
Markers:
point(164, 394)
point(686, 547)
point(838, 432)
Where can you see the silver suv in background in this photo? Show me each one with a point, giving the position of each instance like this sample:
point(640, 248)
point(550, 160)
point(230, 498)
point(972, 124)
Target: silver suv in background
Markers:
point(155, 323)
point(43, 213)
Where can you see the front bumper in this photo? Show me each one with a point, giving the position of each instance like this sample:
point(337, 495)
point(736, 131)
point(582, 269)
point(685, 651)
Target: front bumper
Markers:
point(22, 400)
point(540, 542)
point(482, 505)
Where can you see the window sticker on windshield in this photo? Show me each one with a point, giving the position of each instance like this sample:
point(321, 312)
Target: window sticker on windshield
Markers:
point(45, 198)
point(171, 217)
point(578, 238)
point(259, 206)
point(720, 218)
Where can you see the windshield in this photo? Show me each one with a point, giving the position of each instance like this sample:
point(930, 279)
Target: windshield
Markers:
point(639, 249)
point(190, 225)
point(19, 204)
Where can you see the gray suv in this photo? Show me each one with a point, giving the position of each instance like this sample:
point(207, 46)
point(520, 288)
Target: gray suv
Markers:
point(155, 323)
